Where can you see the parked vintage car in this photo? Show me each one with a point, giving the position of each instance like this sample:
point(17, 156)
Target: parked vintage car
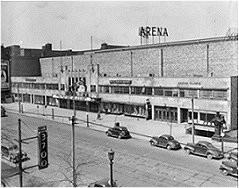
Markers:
point(232, 155)
point(204, 148)
point(3, 111)
point(166, 141)
point(103, 183)
point(11, 153)
point(229, 167)
point(118, 132)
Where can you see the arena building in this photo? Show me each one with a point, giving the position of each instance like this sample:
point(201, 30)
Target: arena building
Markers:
point(162, 82)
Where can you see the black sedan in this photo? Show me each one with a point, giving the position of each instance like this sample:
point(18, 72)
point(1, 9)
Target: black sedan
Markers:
point(103, 183)
point(229, 167)
point(204, 148)
point(232, 155)
point(118, 132)
point(166, 141)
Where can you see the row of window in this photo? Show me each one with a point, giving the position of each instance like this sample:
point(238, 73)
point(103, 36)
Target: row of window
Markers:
point(41, 86)
point(167, 92)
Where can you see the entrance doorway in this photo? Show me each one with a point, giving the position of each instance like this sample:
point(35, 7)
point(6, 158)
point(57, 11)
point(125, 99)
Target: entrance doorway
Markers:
point(168, 114)
point(184, 115)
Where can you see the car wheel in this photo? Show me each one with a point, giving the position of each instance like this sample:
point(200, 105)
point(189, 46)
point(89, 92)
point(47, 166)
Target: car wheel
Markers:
point(107, 133)
point(168, 147)
point(224, 172)
point(209, 156)
point(119, 137)
point(187, 151)
point(152, 143)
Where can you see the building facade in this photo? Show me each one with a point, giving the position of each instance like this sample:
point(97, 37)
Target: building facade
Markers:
point(162, 82)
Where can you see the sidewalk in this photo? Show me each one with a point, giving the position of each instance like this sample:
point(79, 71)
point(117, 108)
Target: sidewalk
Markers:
point(142, 128)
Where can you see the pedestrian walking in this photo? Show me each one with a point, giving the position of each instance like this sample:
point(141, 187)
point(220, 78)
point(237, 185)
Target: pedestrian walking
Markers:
point(98, 116)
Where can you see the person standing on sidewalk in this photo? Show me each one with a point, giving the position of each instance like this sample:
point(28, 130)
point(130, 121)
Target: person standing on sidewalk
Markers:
point(98, 116)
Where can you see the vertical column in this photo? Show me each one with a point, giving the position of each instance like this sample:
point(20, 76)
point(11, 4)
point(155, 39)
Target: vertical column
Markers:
point(131, 63)
point(153, 112)
point(179, 115)
point(97, 77)
point(207, 60)
point(162, 73)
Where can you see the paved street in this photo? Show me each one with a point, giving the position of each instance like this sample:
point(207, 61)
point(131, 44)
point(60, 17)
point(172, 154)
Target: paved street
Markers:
point(136, 163)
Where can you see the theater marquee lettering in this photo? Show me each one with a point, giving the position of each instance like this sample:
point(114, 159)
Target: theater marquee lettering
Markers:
point(182, 84)
point(120, 81)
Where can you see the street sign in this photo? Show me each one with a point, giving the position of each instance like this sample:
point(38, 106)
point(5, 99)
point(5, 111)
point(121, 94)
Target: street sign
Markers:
point(42, 148)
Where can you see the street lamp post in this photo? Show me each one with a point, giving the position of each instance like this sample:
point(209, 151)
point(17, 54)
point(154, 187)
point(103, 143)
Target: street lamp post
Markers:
point(111, 158)
point(88, 99)
point(193, 128)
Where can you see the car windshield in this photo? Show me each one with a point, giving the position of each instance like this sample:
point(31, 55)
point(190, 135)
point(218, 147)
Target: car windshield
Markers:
point(209, 145)
point(235, 151)
point(123, 128)
point(170, 138)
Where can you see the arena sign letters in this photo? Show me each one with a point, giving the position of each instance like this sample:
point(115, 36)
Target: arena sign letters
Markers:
point(152, 31)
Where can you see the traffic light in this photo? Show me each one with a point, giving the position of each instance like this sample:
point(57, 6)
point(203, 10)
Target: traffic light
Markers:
point(42, 148)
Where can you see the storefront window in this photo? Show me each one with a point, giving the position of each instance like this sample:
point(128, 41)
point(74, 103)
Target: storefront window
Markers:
point(52, 101)
point(104, 89)
point(39, 99)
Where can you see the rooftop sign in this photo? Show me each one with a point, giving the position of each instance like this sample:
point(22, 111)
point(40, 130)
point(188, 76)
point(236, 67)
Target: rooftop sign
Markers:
point(152, 31)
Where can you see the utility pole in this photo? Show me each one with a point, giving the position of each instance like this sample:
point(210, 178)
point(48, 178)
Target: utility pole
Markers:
point(20, 151)
point(73, 131)
point(193, 120)
point(18, 97)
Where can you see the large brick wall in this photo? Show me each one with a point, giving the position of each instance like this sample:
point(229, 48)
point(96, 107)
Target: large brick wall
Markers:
point(25, 66)
point(172, 60)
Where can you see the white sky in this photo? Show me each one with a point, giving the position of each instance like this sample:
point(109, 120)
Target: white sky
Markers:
point(33, 24)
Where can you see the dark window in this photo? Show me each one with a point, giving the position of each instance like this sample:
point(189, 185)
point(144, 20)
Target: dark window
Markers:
point(52, 86)
point(158, 91)
point(93, 88)
point(69, 81)
point(189, 93)
point(175, 93)
point(220, 94)
point(120, 89)
point(206, 94)
point(182, 94)
point(137, 90)
point(62, 87)
point(148, 91)
point(168, 93)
